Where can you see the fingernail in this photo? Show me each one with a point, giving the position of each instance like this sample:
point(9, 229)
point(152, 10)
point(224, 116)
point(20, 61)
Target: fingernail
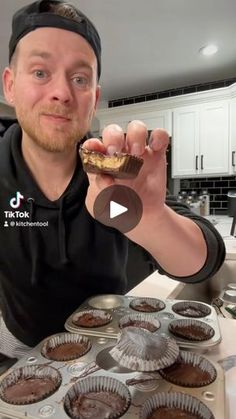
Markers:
point(111, 149)
point(136, 149)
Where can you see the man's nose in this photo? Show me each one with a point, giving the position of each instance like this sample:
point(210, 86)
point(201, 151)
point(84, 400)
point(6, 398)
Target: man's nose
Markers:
point(61, 89)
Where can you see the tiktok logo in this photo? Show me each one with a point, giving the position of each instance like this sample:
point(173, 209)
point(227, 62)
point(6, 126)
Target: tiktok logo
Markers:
point(15, 201)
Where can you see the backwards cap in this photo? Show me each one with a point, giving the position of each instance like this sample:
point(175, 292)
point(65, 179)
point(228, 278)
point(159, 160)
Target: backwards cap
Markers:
point(38, 15)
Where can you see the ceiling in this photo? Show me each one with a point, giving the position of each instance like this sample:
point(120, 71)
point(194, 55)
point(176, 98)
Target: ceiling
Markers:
point(152, 45)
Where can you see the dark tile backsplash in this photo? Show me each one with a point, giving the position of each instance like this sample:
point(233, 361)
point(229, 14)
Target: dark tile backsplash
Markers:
point(217, 189)
point(171, 92)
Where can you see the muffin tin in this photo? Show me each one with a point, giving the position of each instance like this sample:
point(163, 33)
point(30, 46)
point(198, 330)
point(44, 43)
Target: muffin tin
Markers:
point(119, 307)
point(97, 362)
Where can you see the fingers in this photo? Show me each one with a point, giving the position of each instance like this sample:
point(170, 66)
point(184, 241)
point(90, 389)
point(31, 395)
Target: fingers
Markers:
point(113, 139)
point(136, 138)
point(159, 140)
point(94, 144)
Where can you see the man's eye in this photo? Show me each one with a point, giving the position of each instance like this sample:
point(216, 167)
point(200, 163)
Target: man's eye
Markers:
point(81, 81)
point(40, 74)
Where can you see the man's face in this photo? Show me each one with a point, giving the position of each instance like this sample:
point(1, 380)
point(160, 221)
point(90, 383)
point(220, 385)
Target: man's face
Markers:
point(53, 86)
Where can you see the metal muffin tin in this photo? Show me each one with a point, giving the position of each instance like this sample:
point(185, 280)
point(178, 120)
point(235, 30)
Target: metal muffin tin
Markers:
point(99, 362)
point(119, 306)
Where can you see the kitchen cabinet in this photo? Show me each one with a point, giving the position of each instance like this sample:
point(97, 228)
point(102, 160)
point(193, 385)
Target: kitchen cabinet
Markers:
point(232, 154)
point(200, 143)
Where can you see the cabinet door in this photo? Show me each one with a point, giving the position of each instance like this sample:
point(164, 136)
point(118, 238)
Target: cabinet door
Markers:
point(214, 138)
point(185, 141)
point(232, 161)
point(158, 119)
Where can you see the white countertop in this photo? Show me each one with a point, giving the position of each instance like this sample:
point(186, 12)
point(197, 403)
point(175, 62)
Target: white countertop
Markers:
point(223, 224)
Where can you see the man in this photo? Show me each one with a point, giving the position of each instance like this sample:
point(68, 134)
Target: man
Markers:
point(51, 264)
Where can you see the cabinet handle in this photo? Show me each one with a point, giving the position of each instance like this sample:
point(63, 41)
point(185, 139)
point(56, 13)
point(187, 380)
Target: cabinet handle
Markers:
point(196, 162)
point(201, 161)
point(233, 156)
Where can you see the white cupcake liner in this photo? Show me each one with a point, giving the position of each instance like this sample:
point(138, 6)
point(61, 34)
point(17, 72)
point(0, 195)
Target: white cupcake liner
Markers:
point(143, 320)
point(191, 309)
point(97, 384)
point(195, 360)
point(101, 314)
point(175, 400)
point(141, 350)
point(27, 372)
point(188, 329)
point(64, 340)
point(155, 305)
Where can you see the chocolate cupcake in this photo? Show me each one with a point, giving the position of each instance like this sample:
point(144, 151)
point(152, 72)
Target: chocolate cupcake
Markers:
point(192, 330)
point(191, 309)
point(65, 347)
point(174, 405)
point(97, 397)
point(29, 384)
point(91, 318)
point(147, 305)
point(144, 321)
point(141, 350)
point(119, 165)
point(190, 370)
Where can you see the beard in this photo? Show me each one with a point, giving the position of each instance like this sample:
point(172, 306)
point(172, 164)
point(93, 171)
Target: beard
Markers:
point(52, 137)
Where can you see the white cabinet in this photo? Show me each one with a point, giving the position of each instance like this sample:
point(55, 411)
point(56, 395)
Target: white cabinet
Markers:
point(200, 144)
point(232, 154)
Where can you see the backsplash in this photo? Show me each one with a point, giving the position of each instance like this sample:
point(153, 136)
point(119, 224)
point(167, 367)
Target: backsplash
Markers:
point(217, 188)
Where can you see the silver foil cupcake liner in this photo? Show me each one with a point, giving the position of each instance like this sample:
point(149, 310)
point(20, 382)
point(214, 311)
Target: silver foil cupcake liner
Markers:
point(180, 402)
point(91, 318)
point(65, 347)
point(190, 370)
point(192, 330)
point(100, 407)
point(191, 309)
point(147, 305)
point(28, 374)
point(141, 350)
point(145, 321)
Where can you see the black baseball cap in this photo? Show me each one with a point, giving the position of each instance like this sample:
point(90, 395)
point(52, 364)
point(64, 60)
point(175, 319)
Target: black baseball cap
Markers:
point(39, 14)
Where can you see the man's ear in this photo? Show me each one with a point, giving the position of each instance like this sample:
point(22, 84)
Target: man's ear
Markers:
point(8, 85)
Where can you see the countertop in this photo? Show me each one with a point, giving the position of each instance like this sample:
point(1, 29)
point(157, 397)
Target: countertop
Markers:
point(223, 224)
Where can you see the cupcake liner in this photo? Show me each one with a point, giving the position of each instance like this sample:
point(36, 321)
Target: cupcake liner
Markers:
point(190, 370)
point(12, 388)
point(91, 318)
point(145, 321)
point(192, 330)
point(66, 347)
point(141, 350)
point(191, 309)
point(179, 403)
point(97, 397)
point(147, 305)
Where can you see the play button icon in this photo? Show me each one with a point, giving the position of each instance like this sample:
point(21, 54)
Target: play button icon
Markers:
point(116, 209)
point(119, 207)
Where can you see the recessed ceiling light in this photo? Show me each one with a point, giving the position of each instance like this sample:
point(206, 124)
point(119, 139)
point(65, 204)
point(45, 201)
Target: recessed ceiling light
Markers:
point(210, 49)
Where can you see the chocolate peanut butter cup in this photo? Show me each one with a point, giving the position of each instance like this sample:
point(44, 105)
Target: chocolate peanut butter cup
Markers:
point(191, 330)
point(66, 347)
point(191, 309)
point(91, 318)
point(144, 321)
point(174, 405)
point(147, 305)
point(119, 165)
point(97, 397)
point(190, 370)
point(29, 384)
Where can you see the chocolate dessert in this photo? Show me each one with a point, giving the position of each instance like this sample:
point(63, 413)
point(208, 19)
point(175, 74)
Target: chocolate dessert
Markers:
point(119, 165)
point(67, 351)
point(191, 309)
point(102, 404)
point(147, 305)
point(173, 413)
point(141, 323)
point(191, 330)
point(92, 318)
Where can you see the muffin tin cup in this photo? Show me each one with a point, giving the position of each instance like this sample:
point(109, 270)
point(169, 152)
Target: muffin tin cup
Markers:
point(201, 372)
point(77, 345)
point(27, 373)
point(192, 330)
point(140, 350)
point(92, 318)
point(145, 321)
point(191, 309)
point(174, 400)
point(147, 305)
point(92, 407)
